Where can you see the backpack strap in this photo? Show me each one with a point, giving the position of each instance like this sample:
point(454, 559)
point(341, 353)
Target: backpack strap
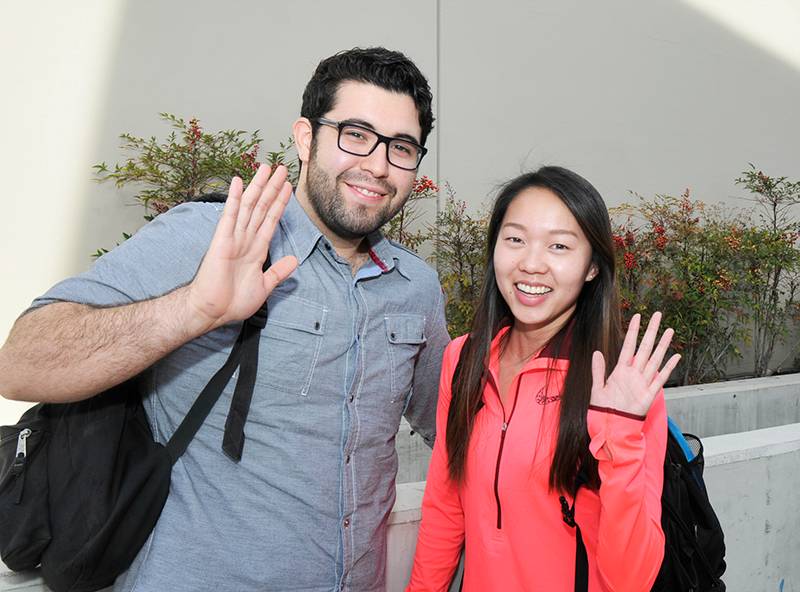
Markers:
point(245, 355)
point(233, 439)
point(568, 515)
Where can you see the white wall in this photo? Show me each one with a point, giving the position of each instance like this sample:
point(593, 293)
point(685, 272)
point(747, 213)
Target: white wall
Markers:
point(651, 97)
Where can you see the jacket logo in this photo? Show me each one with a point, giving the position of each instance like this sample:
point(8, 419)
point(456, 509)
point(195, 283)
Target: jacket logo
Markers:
point(543, 398)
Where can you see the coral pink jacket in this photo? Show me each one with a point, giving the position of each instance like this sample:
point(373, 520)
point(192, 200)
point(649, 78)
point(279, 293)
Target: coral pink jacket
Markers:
point(511, 524)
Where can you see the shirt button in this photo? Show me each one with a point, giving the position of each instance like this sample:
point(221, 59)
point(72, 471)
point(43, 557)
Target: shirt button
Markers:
point(347, 460)
point(352, 397)
point(347, 522)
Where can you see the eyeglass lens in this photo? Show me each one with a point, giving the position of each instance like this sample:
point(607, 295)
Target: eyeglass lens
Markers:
point(360, 141)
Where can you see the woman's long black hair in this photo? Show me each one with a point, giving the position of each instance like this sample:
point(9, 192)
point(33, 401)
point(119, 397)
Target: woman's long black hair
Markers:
point(596, 326)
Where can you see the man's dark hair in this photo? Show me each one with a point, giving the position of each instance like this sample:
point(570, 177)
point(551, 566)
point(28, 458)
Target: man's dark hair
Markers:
point(390, 70)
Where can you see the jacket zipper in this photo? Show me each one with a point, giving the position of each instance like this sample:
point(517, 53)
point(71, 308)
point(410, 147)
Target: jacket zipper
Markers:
point(503, 431)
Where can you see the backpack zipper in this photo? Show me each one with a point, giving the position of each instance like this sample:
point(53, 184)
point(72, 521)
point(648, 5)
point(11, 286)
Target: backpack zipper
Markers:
point(20, 458)
point(22, 447)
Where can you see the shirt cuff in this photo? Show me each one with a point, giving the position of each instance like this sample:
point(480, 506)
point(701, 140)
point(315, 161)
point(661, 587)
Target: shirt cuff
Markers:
point(618, 412)
point(615, 435)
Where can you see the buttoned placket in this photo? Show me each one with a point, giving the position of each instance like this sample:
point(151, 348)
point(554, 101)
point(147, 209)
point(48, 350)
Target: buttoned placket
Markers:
point(355, 364)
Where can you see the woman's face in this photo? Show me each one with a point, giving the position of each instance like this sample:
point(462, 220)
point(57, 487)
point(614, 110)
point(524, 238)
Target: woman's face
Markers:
point(541, 259)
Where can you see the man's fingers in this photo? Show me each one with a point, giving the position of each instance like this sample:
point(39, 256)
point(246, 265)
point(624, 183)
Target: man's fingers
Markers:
point(271, 218)
point(649, 339)
point(265, 201)
point(228, 220)
point(251, 196)
point(598, 370)
point(629, 345)
point(279, 271)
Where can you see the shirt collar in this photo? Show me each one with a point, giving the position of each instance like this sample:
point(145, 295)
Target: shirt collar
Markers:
point(301, 232)
point(384, 254)
point(555, 352)
point(304, 235)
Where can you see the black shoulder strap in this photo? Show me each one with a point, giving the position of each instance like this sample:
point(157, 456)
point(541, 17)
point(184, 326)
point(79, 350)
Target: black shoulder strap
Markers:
point(233, 440)
point(568, 515)
point(244, 355)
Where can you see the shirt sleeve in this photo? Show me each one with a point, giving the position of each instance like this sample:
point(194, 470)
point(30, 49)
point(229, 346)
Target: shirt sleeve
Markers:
point(630, 454)
point(421, 409)
point(441, 531)
point(163, 255)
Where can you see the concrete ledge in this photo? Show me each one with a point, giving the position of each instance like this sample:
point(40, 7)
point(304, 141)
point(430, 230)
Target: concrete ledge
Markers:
point(745, 446)
point(704, 410)
point(736, 405)
point(753, 482)
point(17, 582)
point(413, 455)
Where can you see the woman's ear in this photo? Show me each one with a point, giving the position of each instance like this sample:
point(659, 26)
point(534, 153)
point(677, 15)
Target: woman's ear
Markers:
point(303, 133)
point(593, 271)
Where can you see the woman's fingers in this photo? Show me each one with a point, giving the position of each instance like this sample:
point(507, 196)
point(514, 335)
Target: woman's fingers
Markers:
point(598, 370)
point(654, 363)
point(663, 376)
point(629, 345)
point(649, 339)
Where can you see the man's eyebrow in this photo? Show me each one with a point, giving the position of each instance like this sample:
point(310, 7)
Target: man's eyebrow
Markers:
point(368, 125)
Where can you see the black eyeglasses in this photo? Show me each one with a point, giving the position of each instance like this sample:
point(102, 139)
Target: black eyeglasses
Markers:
point(361, 141)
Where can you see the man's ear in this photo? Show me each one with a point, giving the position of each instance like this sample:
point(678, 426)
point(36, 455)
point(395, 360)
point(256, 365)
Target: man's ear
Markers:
point(302, 132)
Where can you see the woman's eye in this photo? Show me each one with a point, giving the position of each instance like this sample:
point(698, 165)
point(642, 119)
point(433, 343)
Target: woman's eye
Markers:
point(559, 247)
point(514, 239)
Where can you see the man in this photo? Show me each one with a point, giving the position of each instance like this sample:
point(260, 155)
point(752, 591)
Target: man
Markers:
point(354, 339)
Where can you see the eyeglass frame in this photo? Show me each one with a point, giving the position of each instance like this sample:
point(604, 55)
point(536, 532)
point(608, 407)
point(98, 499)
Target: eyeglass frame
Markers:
point(339, 125)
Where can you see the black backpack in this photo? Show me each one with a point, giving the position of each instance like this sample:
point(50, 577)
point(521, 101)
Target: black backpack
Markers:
point(83, 484)
point(694, 546)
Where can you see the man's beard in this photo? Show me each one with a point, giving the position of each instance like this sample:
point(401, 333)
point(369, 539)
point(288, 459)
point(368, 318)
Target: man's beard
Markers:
point(329, 204)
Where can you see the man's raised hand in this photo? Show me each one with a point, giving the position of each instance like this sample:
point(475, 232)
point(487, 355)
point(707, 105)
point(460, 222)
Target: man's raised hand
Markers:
point(230, 284)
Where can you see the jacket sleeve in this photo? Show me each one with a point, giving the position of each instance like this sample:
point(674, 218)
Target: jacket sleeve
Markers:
point(630, 454)
point(441, 531)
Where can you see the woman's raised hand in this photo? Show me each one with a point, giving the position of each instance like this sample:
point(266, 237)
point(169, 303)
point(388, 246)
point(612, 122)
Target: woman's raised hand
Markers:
point(638, 376)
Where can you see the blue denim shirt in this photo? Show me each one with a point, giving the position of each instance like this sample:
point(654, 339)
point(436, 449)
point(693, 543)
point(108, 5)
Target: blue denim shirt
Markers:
point(342, 358)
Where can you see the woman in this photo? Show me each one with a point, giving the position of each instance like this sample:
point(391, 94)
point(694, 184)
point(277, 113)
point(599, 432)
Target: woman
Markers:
point(525, 400)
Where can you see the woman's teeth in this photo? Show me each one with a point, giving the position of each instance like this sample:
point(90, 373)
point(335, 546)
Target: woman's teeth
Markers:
point(534, 290)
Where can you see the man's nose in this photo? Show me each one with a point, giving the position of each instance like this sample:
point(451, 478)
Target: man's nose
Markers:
point(377, 162)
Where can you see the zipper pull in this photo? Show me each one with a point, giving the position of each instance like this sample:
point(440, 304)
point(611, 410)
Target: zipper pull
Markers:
point(505, 426)
point(18, 468)
point(22, 450)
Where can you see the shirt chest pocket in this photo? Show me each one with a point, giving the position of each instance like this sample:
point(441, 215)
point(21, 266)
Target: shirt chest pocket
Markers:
point(290, 344)
point(405, 337)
